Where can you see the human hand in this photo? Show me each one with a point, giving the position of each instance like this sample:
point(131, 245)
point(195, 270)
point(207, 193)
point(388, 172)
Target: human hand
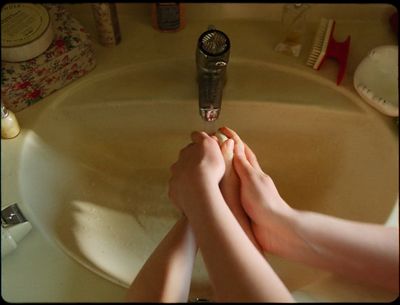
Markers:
point(200, 165)
point(259, 196)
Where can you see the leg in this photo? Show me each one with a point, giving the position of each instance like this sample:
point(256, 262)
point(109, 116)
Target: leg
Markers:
point(230, 189)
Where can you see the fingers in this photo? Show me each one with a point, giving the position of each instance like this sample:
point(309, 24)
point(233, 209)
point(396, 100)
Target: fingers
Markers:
point(246, 158)
point(198, 136)
point(215, 138)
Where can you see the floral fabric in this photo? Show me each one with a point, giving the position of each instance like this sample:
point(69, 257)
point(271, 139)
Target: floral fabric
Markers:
point(69, 57)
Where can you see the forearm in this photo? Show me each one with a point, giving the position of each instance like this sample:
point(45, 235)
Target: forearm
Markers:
point(362, 251)
point(237, 270)
point(166, 275)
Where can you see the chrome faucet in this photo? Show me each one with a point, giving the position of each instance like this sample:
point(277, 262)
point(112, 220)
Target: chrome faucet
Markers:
point(212, 57)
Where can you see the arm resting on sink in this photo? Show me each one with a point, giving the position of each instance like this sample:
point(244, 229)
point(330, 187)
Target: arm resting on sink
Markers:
point(166, 275)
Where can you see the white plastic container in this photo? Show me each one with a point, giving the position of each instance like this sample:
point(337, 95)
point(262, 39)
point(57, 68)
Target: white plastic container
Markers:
point(11, 236)
point(376, 79)
point(26, 31)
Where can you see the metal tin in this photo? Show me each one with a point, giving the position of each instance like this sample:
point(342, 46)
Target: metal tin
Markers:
point(26, 31)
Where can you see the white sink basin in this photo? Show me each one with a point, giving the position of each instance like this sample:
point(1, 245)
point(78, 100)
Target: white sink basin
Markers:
point(94, 165)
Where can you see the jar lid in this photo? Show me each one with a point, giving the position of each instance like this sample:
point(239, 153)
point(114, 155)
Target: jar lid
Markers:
point(24, 25)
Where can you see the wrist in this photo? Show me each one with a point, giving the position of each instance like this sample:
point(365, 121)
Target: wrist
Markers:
point(196, 193)
point(202, 198)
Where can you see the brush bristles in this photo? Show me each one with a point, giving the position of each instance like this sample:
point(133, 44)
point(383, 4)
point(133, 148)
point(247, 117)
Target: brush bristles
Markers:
point(320, 44)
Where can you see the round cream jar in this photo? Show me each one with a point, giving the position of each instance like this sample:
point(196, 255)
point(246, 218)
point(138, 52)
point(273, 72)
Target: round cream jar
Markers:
point(26, 31)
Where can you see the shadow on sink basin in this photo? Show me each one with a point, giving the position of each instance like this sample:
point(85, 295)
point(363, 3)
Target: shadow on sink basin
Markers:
point(95, 164)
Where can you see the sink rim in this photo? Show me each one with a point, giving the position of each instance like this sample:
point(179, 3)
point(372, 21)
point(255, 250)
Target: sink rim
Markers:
point(53, 107)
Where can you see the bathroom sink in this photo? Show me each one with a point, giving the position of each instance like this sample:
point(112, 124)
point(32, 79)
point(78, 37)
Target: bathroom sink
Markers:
point(94, 164)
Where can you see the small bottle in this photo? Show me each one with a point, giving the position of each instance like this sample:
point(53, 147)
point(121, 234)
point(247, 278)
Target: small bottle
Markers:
point(168, 17)
point(9, 124)
point(10, 237)
point(293, 26)
point(107, 24)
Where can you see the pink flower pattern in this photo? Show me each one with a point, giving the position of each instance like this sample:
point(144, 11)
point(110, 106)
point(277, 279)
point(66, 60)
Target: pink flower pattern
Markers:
point(70, 56)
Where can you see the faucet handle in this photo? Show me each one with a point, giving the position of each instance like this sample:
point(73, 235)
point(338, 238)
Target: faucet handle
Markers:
point(11, 215)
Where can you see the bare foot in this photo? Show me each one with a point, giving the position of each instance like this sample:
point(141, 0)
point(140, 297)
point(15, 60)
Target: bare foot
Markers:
point(230, 189)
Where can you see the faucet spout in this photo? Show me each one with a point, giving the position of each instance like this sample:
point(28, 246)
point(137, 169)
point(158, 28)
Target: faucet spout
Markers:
point(212, 57)
point(209, 114)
